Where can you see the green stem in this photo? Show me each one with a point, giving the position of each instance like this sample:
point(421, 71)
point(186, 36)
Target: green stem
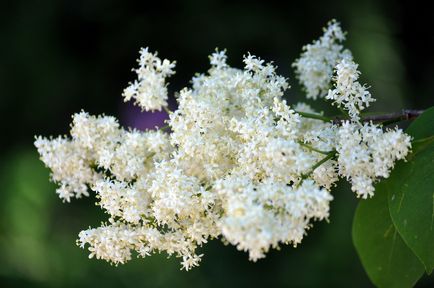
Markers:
point(150, 156)
point(345, 113)
point(329, 156)
point(165, 127)
point(312, 148)
point(167, 110)
point(314, 116)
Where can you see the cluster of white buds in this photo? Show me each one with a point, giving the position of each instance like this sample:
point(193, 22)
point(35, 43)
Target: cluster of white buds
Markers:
point(239, 163)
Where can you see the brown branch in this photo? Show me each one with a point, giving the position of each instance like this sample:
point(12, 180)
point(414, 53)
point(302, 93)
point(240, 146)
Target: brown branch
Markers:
point(386, 119)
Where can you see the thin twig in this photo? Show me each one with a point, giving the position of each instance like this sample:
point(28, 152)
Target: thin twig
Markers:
point(386, 119)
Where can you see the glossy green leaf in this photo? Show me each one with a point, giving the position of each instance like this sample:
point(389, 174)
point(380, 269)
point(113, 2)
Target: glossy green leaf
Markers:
point(423, 126)
point(386, 258)
point(411, 192)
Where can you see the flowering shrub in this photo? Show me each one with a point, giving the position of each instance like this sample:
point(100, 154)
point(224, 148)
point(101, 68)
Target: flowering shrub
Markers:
point(235, 161)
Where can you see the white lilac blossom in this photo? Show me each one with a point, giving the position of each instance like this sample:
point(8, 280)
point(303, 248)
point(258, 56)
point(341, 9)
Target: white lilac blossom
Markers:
point(150, 88)
point(239, 164)
point(314, 68)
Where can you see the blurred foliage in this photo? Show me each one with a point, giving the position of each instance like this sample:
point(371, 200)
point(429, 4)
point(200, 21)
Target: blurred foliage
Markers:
point(38, 235)
point(60, 56)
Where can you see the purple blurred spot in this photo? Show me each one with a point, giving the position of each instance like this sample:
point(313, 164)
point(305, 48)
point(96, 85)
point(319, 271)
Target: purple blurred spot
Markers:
point(132, 116)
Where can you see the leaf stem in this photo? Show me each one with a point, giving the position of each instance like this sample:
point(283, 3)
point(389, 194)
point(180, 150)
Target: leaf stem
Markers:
point(419, 144)
point(424, 140)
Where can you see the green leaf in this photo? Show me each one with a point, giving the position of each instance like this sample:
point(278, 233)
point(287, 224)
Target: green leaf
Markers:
point(411, 192)
point(386, 258)
point(423, 126)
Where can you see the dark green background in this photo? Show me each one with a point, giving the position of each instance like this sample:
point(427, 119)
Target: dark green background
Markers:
point(58, 57)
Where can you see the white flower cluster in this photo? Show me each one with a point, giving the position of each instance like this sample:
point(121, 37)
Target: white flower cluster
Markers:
point(239, 163)
point(348, 92)
point(315, 66)
point(362, 156)
point(99, 145)
point(150, 89)
point(367, 152)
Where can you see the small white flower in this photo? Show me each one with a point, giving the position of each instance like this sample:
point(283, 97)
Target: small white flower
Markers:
point(218, 59)
point(253, 63)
